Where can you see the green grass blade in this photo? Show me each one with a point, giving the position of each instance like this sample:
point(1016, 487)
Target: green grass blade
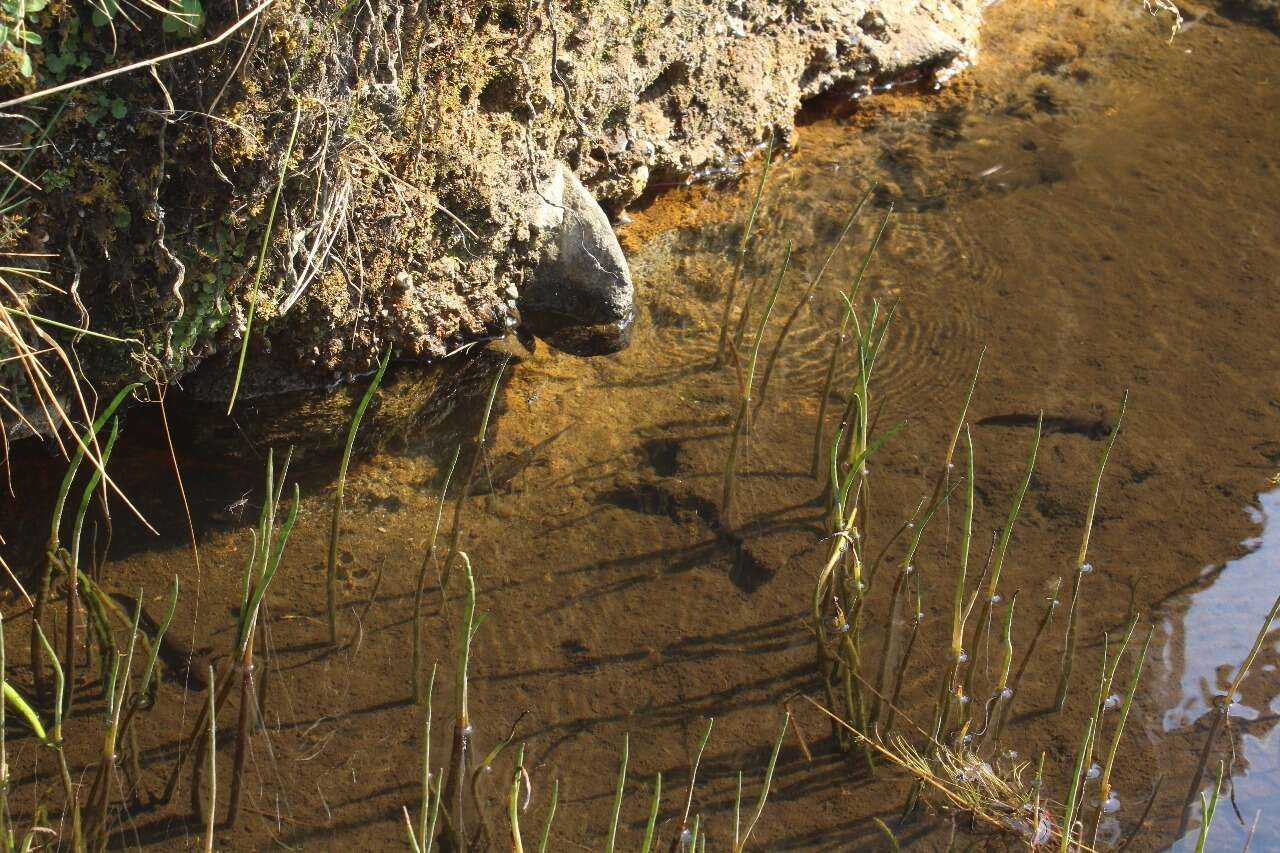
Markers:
point(551, 816)
point(262, 258)
point(652, 825)
point(617, 795)
point(335, 525)
point(1210, 807)
point(768, 783)
point(740, 262)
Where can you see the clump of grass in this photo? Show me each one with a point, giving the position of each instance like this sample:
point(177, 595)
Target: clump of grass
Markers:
point(269, 541)
point(950, 761)
point(335, 525)
point(996, 795)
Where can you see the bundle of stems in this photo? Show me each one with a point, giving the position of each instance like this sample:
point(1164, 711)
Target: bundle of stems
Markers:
point(806, 298)
point(846, 319)
point(269, 541)
point(845, 578)
point(53, 548)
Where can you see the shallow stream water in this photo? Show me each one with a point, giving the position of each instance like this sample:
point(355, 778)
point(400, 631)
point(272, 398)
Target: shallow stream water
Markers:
point(1095, 206)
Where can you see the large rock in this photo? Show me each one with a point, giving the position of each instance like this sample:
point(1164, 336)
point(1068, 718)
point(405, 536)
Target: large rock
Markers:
point(581, 299)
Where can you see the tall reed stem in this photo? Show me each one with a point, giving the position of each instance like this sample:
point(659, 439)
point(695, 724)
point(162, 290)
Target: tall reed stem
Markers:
point(455, 836)
point(741, 260)
point(420, 590)
point(456, 534)
point(262, 258)
point(1002, 547)
point(850, 298)
point(807, 298)
point(946, 687)
point(335, 525)
point(741, 424)
point(1082, 566)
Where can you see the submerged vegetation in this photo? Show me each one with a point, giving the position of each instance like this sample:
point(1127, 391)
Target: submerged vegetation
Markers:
point(944, 718)
point(959, 752)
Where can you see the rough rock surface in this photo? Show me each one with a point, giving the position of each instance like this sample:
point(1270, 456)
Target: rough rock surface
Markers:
point(425, 131)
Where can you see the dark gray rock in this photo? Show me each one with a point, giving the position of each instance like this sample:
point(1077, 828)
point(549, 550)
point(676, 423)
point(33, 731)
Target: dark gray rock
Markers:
point(581, 299)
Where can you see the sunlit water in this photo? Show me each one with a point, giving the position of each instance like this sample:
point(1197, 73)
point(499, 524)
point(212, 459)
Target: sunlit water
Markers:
point(1094, 206)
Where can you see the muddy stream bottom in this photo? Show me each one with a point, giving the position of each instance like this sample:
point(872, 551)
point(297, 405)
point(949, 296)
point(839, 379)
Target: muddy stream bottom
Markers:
point(1097, 208)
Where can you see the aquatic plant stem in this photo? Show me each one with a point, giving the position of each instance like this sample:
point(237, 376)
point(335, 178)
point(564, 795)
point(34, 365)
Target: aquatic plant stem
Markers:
point(1209, 807)
point(1002, 546)
point(55, 738)
point(946, 687)
point(420, 590)
point(1082, 566)
point(1104, 787)
point(455, 534)
point(741, 424)
point(1221, 713)
point(836, 344)
point(455, 837)
point(693, 780)
point(5, 832)
point(807, 298)
point(1050, 606)
point(740, 843)
point(740, 262)
point(616, 812)
point(262, 257)
point(53, 545)
point(73, 585)
point(335, 525)
point(210, 819)
point(651, 826)
point(1077, 782)
point(513, 802)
